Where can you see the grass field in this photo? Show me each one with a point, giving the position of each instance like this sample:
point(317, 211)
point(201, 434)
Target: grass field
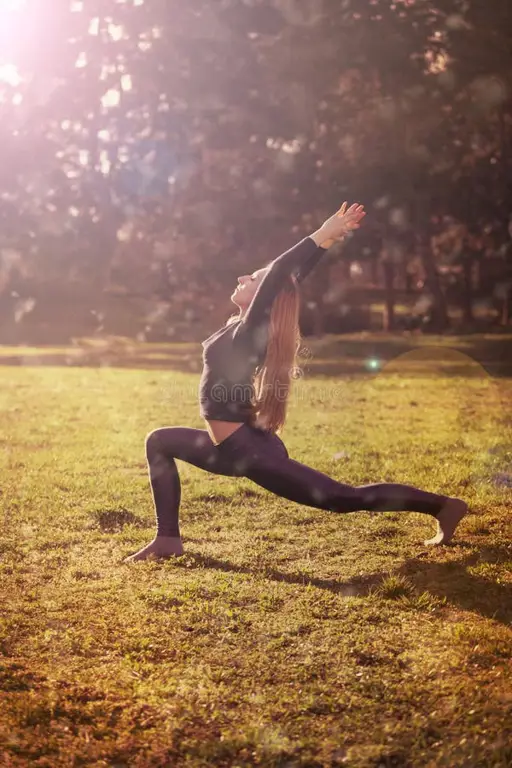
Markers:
point(285, 635)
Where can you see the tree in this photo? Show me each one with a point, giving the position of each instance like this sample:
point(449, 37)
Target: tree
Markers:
point(194, 139)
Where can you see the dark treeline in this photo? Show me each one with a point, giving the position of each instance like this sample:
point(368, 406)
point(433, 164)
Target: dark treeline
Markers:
point(152, 151)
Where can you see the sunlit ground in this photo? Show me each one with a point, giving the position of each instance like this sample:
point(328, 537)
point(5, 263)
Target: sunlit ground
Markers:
point(284, 634)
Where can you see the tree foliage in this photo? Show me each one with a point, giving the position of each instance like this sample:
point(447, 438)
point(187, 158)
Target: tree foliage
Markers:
point(162, 148)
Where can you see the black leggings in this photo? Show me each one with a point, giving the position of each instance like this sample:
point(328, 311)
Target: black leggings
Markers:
point(262, 457)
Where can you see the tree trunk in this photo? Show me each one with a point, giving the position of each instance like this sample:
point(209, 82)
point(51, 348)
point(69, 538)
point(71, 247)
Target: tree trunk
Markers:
point(439, 313)
point(477, 271)
point(467, 304)
point(388, 319)
point(374, 267)
point(505, 310)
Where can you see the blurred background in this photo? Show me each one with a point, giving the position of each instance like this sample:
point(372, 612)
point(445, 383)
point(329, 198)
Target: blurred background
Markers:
point(154, 150)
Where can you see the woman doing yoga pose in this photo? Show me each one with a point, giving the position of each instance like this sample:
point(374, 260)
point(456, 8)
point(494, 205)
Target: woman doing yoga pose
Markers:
point(243, 391)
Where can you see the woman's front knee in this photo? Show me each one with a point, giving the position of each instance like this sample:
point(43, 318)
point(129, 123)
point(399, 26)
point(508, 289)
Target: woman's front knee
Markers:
point(154, 442)
point(170, 441)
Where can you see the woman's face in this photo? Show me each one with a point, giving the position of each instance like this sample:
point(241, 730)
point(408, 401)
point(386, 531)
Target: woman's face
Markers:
point(247, 287)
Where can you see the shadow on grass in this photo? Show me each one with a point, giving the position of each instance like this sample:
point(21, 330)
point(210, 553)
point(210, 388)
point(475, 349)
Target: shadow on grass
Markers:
point(355, 587)
point(449, 580)
point(114, 520)
point(327, 356)
point(462, 588)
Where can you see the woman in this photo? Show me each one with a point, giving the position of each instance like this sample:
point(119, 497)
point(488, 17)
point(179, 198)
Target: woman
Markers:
point(243, 392)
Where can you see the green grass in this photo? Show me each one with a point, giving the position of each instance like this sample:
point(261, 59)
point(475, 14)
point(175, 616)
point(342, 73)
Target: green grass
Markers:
point(285, 635)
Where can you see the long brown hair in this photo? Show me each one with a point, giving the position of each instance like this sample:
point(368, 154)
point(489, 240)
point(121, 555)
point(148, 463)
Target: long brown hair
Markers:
point(273, 378)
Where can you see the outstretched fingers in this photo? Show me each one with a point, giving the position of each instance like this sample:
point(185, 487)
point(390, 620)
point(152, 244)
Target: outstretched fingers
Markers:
point(354, 216)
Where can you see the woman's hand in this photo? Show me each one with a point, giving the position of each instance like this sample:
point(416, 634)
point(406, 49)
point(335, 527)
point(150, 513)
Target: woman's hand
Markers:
point(337, 226)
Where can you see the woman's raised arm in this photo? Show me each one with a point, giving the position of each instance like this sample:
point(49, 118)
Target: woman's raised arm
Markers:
point(300, 260)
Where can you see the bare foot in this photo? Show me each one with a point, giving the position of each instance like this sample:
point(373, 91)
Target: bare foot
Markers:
point(448, 519)
point(161, 546)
